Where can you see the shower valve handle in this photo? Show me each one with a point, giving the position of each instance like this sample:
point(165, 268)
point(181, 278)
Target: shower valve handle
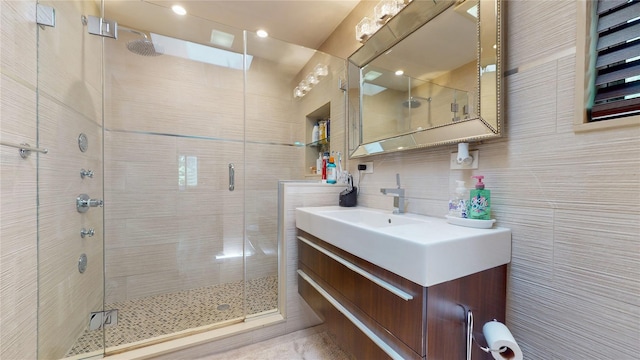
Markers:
point(84, 232)
point(86, 173)
point(84, 202)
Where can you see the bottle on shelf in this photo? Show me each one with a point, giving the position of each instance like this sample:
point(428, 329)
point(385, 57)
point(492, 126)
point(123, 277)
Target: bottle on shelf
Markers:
point(315, 134)
point(325, 161)
point(331, 171)
point(327, 131)
point(322, 131)
point(319, 164)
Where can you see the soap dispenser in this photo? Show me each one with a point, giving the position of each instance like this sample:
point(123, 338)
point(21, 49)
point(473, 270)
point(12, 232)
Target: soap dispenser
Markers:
point(480, 201)
point(459, 200)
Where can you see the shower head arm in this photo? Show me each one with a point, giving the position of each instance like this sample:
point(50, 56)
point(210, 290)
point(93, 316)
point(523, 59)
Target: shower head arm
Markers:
point(120, 27)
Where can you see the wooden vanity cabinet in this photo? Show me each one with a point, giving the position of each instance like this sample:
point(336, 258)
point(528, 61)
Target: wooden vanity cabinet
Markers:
point(431, 325)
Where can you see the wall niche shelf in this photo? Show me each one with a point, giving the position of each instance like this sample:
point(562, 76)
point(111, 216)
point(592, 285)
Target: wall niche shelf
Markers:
point(312, 148)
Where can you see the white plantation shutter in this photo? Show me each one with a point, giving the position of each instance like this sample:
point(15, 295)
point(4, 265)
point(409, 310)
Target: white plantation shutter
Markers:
point(617, 80)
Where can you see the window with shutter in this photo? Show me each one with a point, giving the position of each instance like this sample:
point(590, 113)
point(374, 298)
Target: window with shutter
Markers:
point(617, 80)
point(608, 64)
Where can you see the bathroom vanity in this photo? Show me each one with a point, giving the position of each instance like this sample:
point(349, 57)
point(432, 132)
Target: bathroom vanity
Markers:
point(376, 313)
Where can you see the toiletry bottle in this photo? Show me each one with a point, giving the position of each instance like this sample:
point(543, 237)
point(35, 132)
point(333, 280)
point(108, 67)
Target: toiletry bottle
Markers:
point(480, 201)
point(339, 173)
point(322, 131)
point(325, 161)
point(315, 134)
point(328, 128)
point(459, 200)
point(331, 171)
point(319, 164)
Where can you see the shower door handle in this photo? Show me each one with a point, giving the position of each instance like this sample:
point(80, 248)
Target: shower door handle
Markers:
point(232, 177)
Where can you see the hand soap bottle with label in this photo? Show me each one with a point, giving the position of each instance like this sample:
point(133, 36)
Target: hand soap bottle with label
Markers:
point(459, 200)
point(480, 201)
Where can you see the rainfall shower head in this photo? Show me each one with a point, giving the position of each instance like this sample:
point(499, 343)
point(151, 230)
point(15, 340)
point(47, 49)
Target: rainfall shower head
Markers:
point(413, 102)
point(142, 46)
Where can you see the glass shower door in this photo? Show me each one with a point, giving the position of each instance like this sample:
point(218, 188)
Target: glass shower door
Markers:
point(174, 136)
point(70, 230)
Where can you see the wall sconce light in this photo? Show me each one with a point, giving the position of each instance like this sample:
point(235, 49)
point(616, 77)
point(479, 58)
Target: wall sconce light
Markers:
point(321, 70)
point(383, 12)
point(365, 28)
point(297, 92)
point(310, 80)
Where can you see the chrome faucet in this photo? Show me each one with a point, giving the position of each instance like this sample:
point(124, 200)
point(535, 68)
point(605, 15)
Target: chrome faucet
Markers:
point(398, 196)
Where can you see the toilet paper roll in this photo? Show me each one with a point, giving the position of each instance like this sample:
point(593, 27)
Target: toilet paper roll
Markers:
point(501, 342)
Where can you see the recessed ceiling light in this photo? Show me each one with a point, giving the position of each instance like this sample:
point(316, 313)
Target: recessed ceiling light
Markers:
point(399, 72)
point(179, 10)
point(262, 33)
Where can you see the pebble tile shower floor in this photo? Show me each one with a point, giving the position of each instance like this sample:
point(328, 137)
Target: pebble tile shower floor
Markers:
point(152, 316)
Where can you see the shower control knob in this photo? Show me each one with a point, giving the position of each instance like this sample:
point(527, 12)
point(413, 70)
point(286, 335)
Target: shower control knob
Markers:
point(86, 173)
point(84, 202)
point(84, 232)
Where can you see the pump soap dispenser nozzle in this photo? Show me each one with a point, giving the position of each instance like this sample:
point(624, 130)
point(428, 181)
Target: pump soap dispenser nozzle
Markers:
point(479, 184)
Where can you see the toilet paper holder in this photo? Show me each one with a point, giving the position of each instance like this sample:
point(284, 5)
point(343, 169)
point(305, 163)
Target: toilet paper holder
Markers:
point(471, 339)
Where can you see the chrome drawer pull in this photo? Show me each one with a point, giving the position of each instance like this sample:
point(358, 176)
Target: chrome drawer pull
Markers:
point(393, 289)
point(354, 320)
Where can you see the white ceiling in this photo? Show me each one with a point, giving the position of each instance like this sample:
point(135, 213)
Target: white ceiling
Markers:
point(302, 22)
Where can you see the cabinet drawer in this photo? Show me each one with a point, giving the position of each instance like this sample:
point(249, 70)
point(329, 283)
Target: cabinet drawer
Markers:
point(370, 289)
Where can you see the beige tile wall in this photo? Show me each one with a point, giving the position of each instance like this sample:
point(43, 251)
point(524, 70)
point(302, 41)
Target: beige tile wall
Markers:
point(18, 226)
point(70, 102)
point(47, 240)
point(569, 198)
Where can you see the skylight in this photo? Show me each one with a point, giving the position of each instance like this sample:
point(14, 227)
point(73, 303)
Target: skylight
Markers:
point(202, 53)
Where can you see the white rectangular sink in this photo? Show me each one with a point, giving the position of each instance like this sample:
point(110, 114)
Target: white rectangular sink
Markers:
point(426, 250)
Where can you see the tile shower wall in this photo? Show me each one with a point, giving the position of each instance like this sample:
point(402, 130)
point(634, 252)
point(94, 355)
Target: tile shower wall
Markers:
point(18, 190)
point(571, 199)
point(69, 102)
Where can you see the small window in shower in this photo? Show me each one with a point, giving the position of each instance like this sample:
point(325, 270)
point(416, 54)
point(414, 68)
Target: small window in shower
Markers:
point(187, 171)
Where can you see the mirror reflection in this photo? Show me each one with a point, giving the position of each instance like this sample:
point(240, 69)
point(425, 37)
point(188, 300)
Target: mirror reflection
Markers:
point(429, 80)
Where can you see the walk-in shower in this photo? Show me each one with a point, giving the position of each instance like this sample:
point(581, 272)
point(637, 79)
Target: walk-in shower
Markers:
point(175, 249)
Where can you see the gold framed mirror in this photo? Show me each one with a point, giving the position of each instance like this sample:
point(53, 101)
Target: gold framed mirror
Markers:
point(428, 77)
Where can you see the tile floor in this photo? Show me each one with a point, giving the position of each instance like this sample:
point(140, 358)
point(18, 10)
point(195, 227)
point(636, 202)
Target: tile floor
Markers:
point(308, 344)
point(153, 316)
